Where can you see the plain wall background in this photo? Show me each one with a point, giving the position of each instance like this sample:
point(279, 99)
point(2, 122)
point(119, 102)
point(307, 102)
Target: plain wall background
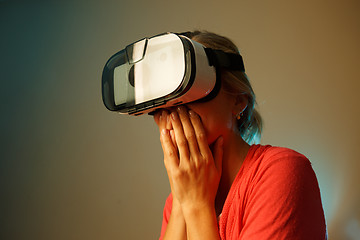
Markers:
point(70, 169)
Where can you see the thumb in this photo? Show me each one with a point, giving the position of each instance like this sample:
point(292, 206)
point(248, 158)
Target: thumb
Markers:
point(218, 153)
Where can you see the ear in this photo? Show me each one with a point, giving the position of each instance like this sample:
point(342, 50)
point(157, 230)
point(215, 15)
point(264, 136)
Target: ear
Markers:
point(241, 102)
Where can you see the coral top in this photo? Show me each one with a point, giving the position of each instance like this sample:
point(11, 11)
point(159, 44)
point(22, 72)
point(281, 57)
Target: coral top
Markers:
point(275, 195)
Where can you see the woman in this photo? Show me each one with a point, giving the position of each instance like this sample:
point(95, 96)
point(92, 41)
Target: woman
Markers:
point(221, 186)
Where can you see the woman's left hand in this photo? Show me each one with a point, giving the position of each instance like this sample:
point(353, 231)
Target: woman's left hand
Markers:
point(193, 168)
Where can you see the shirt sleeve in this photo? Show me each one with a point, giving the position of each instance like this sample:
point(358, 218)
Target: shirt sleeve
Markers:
point(284, 201)
point(166, 216)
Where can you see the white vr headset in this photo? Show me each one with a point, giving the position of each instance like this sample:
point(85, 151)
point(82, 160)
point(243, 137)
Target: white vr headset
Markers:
point(163, 71)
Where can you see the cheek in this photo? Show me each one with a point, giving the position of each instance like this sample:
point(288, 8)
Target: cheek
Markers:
point(217, 125)
point(208, 122)
point(217, 120)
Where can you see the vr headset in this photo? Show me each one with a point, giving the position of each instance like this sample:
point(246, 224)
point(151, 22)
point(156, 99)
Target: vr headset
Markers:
point(163, 71)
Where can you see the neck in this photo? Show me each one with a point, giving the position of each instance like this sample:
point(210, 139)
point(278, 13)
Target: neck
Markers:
point(235, 151)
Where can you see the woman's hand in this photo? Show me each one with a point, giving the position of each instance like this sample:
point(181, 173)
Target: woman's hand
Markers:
point(194, 171)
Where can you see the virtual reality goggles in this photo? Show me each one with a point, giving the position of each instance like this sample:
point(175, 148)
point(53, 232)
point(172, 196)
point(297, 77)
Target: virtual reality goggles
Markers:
point(163, 71)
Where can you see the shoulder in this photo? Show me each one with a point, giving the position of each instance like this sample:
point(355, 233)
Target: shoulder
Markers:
point(279, 160)
point(271, 153)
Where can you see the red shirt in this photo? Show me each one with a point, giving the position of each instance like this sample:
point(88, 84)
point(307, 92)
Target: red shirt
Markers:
point(275, 195)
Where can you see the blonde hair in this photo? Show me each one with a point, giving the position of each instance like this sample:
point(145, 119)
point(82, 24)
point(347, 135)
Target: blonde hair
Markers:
point(235, 82)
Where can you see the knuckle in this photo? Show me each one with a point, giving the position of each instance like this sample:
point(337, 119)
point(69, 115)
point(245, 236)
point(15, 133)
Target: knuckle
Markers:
point(197, 160)
point(202, 136)
point(191, 137)
point(203, 162)
point(206, 156)
point(171, 153)
point(182, 143)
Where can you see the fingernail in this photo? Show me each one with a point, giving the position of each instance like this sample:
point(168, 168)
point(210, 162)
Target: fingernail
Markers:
point(191, 113)
point(181, 108)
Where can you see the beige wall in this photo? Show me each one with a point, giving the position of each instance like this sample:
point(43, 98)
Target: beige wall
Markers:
point(72, 170)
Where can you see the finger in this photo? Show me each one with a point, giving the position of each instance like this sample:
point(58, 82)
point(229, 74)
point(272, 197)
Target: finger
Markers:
point(170, 153)
point(189, 131)
point(200, 134)
point(157, 117)
point(218, 153)
point(172, 135)
point(163, 118)
point(168, 124)
point(180, 139)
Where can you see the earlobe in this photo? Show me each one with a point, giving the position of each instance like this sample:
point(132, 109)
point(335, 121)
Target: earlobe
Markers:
point(241, 103)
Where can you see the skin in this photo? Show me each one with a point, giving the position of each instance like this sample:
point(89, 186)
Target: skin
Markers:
point(203, 152)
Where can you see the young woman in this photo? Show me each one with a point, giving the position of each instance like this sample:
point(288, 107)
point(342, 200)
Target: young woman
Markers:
point(222, 187)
